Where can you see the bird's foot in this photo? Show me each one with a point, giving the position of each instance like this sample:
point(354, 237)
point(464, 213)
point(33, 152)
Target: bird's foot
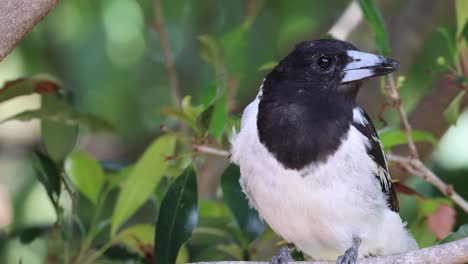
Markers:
point(283, 256)
point(350, 256)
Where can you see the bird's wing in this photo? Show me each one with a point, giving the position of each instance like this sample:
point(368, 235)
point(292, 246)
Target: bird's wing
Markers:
point(363, 123)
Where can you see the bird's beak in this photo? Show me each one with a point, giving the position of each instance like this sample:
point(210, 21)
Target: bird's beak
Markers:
point(365, 65)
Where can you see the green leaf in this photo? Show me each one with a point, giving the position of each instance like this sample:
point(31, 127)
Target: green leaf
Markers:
point(232, 250)
point(461, 9)
point(211, 51)
point(59, 139)
point(213, 209)
point(29, 233)
point(193, 112)
point(450, 40)
point(40, 83)
point(136, 236)
point(49, 175)
point(391, 137)
point(86, 174)
point(428, 206)
point(178, 217)
point(208, 95)
point(219, 118)
point(234, 45)
point(268, 66)
point(246, 218)
point(374, 18)
point(462, 232)
point(69, 118)
point(452, 111)
point(143, 179)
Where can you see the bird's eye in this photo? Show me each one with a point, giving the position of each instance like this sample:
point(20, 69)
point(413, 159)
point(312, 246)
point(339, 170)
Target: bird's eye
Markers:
point(324, 62)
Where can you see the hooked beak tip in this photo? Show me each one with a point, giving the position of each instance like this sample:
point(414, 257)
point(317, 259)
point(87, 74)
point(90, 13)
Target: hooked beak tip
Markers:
point(391, 64)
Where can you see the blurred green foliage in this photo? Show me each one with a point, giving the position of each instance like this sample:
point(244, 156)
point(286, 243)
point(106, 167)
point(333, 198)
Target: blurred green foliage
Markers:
point(113, 82)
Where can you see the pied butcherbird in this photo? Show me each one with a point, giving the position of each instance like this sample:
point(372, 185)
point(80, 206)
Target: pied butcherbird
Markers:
point(311, 161)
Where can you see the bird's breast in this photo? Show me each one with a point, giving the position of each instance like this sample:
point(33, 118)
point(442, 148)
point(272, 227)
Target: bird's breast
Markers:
point(318, 207)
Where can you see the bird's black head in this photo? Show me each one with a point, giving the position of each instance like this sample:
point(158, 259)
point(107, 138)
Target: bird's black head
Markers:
point(329, 65)
point(307, 101)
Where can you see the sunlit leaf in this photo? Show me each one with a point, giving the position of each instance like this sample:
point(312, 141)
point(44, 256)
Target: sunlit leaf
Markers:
point(40, 83)
point(183, 256)
point(374, 18)
point(391, 137)
point(136, 236)
point(143, 179)
point(268, 66)
point(213, 209)
point(462, 232)
point(452, 111)
point(219, 118)
point(461, 9)
point(246, 218)
point(191, 111)
point(49, 175)
point(86, 174)
point(178, 217)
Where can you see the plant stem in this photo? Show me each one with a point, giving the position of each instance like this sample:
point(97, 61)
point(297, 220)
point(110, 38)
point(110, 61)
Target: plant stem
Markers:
point(160, 28)
point(395, 96)
point(90, 235)
point(101, 250)
point(416, 167)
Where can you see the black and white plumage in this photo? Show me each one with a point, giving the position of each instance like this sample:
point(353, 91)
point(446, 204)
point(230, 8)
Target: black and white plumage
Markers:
point(310, 158)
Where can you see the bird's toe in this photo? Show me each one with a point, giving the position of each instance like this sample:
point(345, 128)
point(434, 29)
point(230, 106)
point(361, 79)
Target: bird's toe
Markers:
point(350, 257)
point(282, 257)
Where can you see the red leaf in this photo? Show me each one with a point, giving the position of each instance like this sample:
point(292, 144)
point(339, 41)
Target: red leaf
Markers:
point(402, 188)
point(46, 87)
point(441, 221)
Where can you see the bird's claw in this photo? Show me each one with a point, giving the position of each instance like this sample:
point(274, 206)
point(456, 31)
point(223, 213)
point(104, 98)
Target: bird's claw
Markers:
point(283, 256)
point(350, 256)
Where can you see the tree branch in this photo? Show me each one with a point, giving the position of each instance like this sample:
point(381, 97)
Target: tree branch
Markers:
point(211, 150)
point(416, 167)
point(160, 28)
point(347, 22)
point(455, 252)
point(395, 97)
point(17, 18)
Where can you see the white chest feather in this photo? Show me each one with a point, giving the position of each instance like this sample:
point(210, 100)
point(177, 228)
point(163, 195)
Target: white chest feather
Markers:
point(319, 208)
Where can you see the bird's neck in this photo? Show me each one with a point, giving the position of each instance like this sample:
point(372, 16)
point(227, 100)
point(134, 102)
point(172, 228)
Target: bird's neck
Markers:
point(303, 130)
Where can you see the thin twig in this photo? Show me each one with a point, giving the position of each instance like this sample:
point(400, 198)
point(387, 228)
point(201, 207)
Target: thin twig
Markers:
point(347, 22)
point(416, 167)
point(455, 252)
point(210, 150)
point(395, 96)
point(160, 28)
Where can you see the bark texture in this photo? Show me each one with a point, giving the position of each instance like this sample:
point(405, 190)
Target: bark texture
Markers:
point(455, 252)
point(17, 18)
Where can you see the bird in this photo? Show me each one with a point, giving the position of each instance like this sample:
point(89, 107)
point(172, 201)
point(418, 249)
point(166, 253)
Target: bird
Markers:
point(311, 161)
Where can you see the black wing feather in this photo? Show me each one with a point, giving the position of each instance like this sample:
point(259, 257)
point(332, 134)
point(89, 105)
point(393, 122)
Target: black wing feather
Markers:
point(375, 151)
